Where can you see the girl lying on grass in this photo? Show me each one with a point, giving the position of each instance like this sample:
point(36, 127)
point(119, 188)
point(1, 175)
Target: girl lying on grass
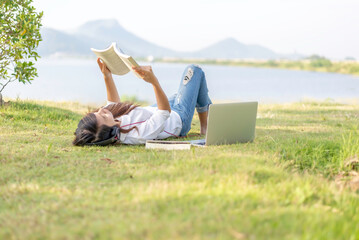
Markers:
point(131, 124)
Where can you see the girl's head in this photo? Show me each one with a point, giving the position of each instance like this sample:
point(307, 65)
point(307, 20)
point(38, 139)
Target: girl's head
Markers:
point(99, 125)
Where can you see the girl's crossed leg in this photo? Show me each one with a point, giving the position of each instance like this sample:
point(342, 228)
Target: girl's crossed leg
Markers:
point(192, 94)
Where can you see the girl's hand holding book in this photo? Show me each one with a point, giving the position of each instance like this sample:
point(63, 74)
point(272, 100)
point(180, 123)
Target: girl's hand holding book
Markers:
point(146, 74)
point(105, 71)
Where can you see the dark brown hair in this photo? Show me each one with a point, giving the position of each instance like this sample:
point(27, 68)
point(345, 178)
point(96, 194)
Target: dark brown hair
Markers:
point(87, 130)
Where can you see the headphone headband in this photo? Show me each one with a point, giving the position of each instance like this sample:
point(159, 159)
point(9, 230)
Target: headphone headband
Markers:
point(115, 136)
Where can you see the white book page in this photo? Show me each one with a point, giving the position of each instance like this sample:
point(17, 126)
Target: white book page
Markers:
point(129, 61)
point(112, 60)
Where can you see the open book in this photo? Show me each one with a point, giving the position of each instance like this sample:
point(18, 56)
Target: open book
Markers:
point(118, 62)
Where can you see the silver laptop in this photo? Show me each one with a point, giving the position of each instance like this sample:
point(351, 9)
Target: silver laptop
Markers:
point(230, 123)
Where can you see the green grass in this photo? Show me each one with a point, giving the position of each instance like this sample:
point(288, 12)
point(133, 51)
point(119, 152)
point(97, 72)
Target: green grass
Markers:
point(279, 187)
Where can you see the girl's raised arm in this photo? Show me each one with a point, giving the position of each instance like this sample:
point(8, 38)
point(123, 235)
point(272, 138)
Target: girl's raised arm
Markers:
point(112, 94)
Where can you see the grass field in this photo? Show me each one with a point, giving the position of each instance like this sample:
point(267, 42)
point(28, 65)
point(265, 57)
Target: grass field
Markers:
point(292, 182)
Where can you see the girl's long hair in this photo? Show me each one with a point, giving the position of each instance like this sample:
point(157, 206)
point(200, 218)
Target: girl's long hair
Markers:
point(87, 130)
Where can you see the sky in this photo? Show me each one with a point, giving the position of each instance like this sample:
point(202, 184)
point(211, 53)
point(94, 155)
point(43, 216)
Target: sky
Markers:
point(324, 27)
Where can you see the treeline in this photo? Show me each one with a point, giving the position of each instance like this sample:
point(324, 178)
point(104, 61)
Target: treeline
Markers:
point(313, 63)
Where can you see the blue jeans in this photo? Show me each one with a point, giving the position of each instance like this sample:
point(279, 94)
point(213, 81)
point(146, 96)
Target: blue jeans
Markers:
point(192, 94)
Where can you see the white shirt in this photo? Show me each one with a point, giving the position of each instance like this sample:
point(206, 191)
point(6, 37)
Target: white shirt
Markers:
point(151, 123)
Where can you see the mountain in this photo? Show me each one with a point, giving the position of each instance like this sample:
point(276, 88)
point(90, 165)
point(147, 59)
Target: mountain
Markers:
point(100, 33)
point(107, 31)
point(97, 34)
point(231, 48)
point(55, 42)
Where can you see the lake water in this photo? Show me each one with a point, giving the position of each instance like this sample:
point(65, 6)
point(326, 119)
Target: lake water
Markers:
point(81, 80)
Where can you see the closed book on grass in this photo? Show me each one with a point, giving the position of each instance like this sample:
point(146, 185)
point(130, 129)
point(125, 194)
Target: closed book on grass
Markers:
point(115, 60)
point(167, 145)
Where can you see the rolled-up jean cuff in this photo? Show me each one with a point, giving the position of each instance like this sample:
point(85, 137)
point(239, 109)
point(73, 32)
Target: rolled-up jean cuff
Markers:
point(202, 109)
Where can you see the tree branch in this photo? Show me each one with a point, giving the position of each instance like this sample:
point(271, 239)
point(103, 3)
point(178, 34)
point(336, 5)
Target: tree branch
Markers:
point(4, 85)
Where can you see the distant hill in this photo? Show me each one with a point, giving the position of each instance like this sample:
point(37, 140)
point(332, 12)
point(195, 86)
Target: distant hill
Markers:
point(57, 42)
point(231, 48)
point(107, 31)
point(99, 34)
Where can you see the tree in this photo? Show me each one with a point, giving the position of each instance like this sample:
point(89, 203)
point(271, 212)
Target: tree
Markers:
point(19, 37)
point(317, 61)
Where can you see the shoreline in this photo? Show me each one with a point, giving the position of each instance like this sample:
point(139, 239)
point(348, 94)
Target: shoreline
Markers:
point(311, 65)
point(341, 101)
point(321, 65)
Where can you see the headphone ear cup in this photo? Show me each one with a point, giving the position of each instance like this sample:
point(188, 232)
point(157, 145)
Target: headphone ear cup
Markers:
point(116, 132)
point(113, 131)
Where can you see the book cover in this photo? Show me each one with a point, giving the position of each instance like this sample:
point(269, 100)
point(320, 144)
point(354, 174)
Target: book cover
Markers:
point(167, 145)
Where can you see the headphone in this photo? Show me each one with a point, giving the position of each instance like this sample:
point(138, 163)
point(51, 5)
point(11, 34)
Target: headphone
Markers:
point(114, 137)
